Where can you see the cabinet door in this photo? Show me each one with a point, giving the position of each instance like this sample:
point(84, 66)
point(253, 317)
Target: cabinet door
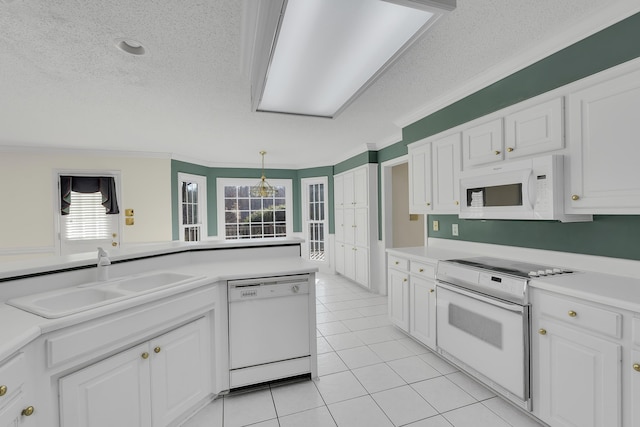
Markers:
point(114, 392)
point(446, 169)
point(361, 187)
point(420, 179)
point(422, 310)
point(350, 262)
point(635, 388)
point(339, 225)
point(603, 141)
point(349, 228)
point(535, 130)
point(180, 371)
point(580, 378)
point(482, 144)
point(338, 191)
point(347, 189)
point(361, 229)
point(398, 291)
point(361, 269)
point(10, 415)
point(340, 258)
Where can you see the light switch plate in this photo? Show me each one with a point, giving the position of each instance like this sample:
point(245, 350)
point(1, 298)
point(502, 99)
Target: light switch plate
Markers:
point(454, 229)
point(436, 225)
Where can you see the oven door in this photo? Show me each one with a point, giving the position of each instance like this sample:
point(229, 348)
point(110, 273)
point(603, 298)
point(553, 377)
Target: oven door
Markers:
point(490, 336)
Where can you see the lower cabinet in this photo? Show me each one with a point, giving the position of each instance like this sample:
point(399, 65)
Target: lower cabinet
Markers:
point(148, 385)
point(398, 298)
point(14, 409)
point(422, 310)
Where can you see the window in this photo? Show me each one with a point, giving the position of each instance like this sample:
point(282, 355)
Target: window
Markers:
point(315, 217)
point(243, 216)
point(87, 211)
point(192, 213)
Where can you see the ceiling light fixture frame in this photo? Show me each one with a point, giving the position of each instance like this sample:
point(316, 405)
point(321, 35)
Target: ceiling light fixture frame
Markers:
point(263, 22)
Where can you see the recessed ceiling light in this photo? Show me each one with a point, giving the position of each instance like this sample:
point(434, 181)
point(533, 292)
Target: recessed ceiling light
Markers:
point(131, 46)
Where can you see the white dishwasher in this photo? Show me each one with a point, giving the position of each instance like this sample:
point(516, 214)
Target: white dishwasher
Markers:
point(269, 332)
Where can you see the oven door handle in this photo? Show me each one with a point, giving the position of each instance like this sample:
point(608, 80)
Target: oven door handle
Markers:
point(498, 303)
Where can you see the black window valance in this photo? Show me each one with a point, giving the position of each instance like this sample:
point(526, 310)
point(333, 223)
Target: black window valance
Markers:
point(89, 184)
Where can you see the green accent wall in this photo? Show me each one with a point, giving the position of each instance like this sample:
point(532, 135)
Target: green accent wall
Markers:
point(355, 161)
point(608, 235)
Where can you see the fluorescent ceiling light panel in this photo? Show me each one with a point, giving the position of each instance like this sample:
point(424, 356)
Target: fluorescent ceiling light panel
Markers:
point(328, 51)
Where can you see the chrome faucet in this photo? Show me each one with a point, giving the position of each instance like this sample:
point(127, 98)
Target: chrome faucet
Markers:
point(103, 262)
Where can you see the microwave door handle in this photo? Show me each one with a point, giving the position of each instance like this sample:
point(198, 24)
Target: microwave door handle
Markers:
point(530, 189)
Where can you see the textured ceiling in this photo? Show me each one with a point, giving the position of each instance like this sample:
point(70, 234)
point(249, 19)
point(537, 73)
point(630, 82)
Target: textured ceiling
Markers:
point(64, 84)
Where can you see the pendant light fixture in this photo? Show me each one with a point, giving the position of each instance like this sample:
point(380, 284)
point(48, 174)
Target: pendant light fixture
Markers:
point(262, 188)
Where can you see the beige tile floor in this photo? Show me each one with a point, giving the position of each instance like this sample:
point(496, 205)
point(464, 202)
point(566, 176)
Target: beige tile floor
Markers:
point(371, 374)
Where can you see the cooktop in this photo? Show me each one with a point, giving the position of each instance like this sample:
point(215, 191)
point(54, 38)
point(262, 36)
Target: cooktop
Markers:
point(514, 268)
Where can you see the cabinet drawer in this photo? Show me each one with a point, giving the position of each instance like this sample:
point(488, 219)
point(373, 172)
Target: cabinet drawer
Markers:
point(636, 331)
point(423, 270)
point(398, 263)
point(12, 375)
point(585, 316)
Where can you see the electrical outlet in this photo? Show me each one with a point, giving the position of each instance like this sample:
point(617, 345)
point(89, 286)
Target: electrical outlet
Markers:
point(436, 225)
point(454, 229)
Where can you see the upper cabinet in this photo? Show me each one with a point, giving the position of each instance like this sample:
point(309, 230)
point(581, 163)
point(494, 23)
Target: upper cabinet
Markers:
point(603, 129)
point(446, 171)
point(420, 178)
point(534, 130)
point(483, 144)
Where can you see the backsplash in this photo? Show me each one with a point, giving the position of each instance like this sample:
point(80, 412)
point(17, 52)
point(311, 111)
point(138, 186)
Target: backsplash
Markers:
point(608, 235)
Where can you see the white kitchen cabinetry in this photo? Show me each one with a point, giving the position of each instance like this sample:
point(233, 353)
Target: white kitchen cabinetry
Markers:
point(603, 129)
point(635, 387)
point(150, 384)
point(578, 374)
point(482, 144)
point(447, 160)
point(420, 178)
point(355, 222)
point(14, 408)
point(534, 130)
point(412, 298)
point(398, 292)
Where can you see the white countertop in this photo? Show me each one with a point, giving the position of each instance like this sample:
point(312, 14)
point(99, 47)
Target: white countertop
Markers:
point(18, 327)
point(13, 269)
point(617, 291)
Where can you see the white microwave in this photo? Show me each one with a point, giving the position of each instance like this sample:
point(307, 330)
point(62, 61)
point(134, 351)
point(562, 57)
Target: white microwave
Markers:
point(523, 189)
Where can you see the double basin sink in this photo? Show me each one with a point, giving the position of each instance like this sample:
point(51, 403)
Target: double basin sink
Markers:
point(63, 302)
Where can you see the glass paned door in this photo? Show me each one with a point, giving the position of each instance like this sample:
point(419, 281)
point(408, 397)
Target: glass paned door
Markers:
point(316, 218)
point(192, 210)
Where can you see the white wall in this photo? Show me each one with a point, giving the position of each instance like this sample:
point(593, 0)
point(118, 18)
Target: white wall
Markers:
point(27, 220)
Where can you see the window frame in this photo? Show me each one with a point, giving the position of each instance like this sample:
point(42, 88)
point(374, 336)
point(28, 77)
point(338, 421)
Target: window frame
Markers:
point(304, 190)
point(201, 180)
point(223, 182)
point(57, 216)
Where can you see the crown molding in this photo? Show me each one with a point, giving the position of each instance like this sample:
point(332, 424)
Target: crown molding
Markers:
point(604, 17)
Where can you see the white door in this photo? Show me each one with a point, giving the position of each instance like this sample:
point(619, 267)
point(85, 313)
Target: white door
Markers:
point(361, 274)
point(192, 207)
point(447, 162)
point(114, 392)
point(420, 179)
point(534, 130)
point(635, 387)
point(603, 134)
point(361, 227)
point(180, 371)
point(87, 226)
point(422, 310)
point(398, 292)
point(315, 217)
point(361, 187)
point(11, 414)
point(482, 144)
point(340, 258)
point(579, 378)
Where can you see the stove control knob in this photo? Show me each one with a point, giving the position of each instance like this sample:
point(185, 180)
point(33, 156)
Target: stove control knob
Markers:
point(549, 271)
point(542, 273)
point(557, 271)
point(533, 274)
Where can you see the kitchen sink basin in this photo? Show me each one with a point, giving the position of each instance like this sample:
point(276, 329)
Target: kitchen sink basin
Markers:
point(63, 302)
point(152, 281)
